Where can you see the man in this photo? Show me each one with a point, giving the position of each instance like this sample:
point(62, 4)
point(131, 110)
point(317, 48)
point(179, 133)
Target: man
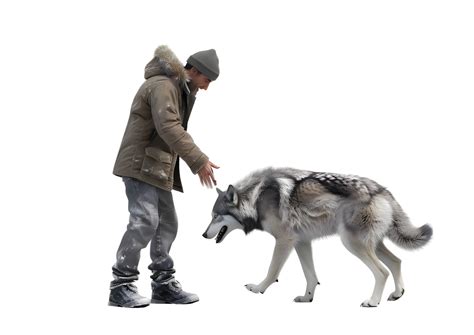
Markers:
point(147, 161)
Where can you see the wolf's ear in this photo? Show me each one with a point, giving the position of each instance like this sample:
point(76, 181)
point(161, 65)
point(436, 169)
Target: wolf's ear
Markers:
point(219, 192)
point(232, 196)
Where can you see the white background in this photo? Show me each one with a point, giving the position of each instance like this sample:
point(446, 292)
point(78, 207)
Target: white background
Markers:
point(381, 89)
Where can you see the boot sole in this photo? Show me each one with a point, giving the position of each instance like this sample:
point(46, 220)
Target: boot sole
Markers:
point(139, 305)
point(184, 301)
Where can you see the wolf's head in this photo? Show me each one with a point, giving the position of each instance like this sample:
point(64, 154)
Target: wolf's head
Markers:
point(224, 218)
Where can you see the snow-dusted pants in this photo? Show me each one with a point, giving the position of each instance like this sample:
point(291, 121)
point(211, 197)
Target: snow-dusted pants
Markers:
point(152, 218)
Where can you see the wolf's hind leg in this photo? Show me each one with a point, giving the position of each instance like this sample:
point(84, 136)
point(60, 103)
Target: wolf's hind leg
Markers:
point(394, 264)
point(305, 254)
point(366, 255)
point(280, 255)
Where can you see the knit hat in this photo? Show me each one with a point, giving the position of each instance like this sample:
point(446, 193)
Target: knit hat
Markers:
point(206, 62)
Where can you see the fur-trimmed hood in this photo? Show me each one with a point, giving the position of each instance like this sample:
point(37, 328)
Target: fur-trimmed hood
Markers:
point(166, 63)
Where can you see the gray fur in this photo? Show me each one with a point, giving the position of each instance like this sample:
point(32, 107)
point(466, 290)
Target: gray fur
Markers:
point(298, 206)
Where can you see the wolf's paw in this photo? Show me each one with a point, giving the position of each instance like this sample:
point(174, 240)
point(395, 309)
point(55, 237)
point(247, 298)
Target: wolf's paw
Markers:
point(396, 295)
point(369, 303)
point(254, 288)
point(306, 298)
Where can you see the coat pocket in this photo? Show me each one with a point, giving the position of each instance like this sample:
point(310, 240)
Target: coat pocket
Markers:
point(157, 163)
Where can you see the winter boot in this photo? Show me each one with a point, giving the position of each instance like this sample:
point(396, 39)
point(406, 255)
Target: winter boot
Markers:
point(170, 292)
point(127, 296)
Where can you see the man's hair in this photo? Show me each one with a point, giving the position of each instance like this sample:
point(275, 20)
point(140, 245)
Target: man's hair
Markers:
point(189, 67)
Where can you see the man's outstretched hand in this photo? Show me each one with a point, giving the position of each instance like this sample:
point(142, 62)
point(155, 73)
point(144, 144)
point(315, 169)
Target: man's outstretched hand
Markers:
point(206, 175)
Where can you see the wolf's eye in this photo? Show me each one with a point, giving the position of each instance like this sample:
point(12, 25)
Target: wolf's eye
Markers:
point(215, 216)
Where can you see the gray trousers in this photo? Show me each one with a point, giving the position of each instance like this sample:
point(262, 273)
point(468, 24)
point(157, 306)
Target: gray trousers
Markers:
point(152, 218)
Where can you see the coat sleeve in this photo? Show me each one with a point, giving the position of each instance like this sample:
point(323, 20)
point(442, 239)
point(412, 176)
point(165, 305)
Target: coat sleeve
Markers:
point(165, 113)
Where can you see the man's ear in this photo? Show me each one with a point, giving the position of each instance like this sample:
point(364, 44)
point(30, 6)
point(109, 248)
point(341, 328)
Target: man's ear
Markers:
point(194, 71)
point(232, 196)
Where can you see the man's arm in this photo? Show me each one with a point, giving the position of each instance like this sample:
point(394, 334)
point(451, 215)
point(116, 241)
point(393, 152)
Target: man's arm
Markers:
point(164, 107)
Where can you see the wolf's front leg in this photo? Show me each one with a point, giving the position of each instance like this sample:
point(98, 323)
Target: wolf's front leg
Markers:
point(305, 254)
point(280, 255)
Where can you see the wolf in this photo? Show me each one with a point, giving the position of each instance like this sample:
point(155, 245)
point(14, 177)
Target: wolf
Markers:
point(297, 206)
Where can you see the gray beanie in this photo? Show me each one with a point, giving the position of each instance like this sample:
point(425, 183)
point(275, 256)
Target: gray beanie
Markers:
point(206, 62)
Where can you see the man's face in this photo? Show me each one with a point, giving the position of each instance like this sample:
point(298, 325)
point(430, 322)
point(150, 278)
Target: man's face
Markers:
point(199, 80)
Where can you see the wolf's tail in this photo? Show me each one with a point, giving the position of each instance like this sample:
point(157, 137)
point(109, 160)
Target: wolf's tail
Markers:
point(404, 234)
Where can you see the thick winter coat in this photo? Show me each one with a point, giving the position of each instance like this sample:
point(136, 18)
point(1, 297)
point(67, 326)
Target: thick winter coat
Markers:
point(156, 136)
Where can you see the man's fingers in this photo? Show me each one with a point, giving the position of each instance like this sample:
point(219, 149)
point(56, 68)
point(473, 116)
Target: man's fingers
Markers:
point(214, 165)
point(205, 180)
point(206, 175)
point(212, 178)
point(212, 181)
